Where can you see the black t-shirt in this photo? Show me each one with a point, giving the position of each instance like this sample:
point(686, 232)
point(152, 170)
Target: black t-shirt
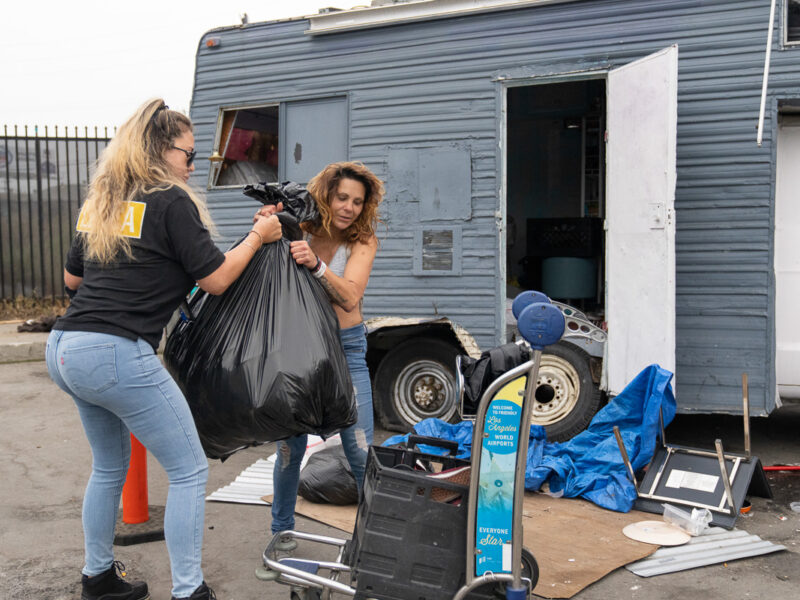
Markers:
point(135, 297)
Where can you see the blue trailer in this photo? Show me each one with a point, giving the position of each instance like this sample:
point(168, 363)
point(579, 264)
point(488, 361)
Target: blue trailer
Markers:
point(603, 151)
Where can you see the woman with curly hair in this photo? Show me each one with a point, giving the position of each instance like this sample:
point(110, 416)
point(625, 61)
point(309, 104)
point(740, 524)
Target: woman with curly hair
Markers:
point(143, 240)
point(339, 249)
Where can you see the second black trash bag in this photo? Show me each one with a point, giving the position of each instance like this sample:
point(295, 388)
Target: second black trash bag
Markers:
point(263, 361)
point(326, 478)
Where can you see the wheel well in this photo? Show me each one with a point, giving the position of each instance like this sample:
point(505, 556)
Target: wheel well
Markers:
point(595, 363)
point(380, 341)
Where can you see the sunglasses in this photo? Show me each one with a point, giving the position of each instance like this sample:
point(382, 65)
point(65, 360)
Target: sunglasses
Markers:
point(189, 155)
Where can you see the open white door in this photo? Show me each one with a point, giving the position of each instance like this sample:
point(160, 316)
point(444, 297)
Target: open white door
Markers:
point(640, 223)
point(787, 258)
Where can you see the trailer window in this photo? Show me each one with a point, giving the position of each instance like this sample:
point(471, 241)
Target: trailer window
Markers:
point(793, 21)
point(247, 147)
point(282, 141)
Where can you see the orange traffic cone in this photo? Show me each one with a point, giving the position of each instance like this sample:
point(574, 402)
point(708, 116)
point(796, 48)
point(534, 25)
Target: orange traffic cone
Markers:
point(134, 492)
point(139, 521)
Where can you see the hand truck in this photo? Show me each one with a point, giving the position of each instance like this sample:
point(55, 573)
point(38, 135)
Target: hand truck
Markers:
point(494, 556)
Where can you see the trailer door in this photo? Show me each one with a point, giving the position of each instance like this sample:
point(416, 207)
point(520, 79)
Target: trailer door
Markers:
point(787, 258)
point(640, 224)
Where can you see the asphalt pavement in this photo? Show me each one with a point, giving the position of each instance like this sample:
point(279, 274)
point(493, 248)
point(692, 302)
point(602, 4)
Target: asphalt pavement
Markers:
point(46, 464)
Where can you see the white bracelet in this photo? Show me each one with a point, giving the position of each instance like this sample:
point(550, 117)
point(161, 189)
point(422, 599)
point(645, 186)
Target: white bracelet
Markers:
point(320, 270)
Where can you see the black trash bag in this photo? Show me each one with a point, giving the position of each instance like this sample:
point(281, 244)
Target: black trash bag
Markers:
point(326, 478)
point(263, 361)
point(479, 373)
point(296, 199)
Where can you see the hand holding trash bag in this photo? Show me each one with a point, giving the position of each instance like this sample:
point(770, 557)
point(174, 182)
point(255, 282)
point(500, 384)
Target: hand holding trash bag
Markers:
point(263, 361)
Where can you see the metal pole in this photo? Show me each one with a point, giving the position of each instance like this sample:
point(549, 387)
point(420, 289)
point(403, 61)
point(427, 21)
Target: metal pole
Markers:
point(69, 182)
point(77, 174)
point(86, 149)
point(760, 135)
point(19, 219)
point(61, 250)
point(40, 202)
point(96, 147)
point(625, 458)
point(8, 203)
point(725, 479)
point(51, 239)
point(746, 413)
point(31, 259)
point(519, 477)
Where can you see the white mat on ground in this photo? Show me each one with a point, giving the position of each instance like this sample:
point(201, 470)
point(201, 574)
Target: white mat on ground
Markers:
point(256, 480)
point(714, 545)
point(249, 486)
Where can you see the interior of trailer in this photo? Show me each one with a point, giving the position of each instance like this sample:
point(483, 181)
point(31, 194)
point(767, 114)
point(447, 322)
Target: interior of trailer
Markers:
point(555, 192)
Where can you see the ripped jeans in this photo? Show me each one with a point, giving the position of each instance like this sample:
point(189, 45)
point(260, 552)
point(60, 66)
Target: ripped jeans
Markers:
point(356, 439)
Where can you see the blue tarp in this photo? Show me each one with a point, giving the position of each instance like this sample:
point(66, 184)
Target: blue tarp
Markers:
point(589, 465)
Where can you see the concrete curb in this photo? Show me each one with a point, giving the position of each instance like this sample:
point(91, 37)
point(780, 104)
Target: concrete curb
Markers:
point(20, 347)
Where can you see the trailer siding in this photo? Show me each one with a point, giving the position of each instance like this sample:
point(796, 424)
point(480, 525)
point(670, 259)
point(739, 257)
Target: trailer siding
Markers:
point(435, 84)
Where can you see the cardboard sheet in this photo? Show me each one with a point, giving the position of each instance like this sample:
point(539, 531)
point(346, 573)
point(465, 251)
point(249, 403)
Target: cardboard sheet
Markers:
point(575, 542)
point(341, 517)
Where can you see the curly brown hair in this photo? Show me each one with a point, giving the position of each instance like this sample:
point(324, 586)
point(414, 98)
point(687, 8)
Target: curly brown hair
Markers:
point(324, 185)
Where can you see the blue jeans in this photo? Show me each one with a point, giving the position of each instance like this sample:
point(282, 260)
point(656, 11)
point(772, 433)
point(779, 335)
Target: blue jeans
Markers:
point(121, 387)
point(356, 439)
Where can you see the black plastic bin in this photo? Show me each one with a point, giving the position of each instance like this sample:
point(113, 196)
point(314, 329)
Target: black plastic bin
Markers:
point(409, 538)
point(576, 237)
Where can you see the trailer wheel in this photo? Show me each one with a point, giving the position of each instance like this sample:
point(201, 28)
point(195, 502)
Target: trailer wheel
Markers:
point(416, 381)
point(566, 398)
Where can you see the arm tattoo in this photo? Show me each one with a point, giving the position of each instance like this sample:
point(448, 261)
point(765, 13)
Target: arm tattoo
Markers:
point(331, 291)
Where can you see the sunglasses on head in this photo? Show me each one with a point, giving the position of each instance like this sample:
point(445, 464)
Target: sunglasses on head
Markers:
point(189, 155)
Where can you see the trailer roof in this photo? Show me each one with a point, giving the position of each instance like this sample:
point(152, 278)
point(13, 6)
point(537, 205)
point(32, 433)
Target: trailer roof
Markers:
point(392, 12)
point(383, 13)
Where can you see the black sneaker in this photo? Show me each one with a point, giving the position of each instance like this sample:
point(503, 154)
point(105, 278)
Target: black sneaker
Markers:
point(111, 586)
point(203, 592)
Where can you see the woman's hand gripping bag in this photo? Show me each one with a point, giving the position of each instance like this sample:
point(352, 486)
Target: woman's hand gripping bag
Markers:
point(263, 361)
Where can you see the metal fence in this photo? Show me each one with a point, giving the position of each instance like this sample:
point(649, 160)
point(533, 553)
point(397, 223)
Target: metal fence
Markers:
point(43, 181)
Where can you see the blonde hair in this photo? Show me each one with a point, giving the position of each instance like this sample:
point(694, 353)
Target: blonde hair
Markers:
point(131, 165)
point(323, 186)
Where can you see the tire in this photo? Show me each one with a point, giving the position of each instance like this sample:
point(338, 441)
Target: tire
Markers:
point(566, 398)
point(416, 381)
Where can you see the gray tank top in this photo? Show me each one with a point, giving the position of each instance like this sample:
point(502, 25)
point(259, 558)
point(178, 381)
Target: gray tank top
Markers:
point(339, 260)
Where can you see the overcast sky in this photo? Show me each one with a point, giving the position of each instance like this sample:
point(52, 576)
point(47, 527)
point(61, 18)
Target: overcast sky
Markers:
point(92, 62)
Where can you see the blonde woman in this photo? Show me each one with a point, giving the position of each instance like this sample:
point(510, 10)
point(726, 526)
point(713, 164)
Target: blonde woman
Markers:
point(143, 241)
point(339, 250)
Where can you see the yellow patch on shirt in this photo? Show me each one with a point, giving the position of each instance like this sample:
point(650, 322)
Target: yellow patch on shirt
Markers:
point(132, 219)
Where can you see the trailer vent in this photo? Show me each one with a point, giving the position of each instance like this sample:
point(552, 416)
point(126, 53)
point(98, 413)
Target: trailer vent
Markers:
point(437, 251)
